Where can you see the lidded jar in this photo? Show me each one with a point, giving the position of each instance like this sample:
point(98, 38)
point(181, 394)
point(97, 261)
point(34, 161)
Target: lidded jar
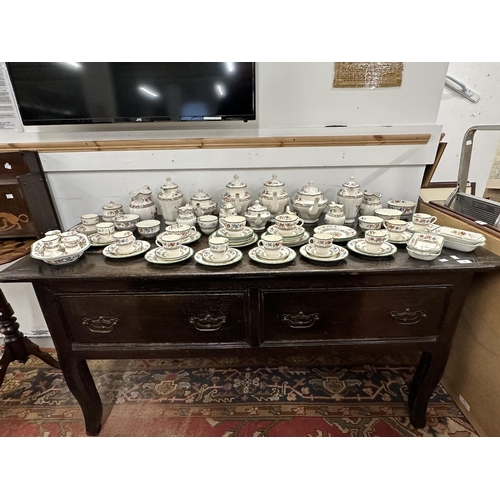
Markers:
point(350, 196)
point(273, 196)
point(257, 216)
point(309, 202)
point(111, 210)
point(142, 203)
point(236, 193)
point(170, 198)
point(203, 203)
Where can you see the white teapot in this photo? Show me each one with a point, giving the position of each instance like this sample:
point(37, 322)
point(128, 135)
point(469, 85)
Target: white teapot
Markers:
point(236, 193)
point(142, 203)
point(170, 198)
point(257, 216)
point(273, 196)
point(203, 203)
point(309, 202)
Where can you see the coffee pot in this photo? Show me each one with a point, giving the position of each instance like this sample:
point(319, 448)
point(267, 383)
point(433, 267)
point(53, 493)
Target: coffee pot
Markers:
point(170, 197)
point(350, 196)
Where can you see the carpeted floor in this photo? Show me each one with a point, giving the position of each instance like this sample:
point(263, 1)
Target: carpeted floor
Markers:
point(295, 396)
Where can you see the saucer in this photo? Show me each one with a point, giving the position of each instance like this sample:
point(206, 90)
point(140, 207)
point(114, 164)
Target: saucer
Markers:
point(339, 233)
point(343, 253)
point(152, 257)
point(358, 245)
point(140, 246)
point(80, 228)
point(261, 253)
point(203, 257)
point(246, 233)
point(187, 241)
point(406, 236)
point(183, 251)
point(237, 243)
point(297, 232)
point(311, 250)
point(95, 238)
point(257, 256)
point(296, 240)
point(430, 227)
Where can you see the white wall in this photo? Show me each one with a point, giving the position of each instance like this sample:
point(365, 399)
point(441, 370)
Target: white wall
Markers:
point(292, 99)
point(457, 115)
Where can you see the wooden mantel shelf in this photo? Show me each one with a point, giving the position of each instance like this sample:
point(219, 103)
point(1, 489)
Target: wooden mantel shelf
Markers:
point(219, 143)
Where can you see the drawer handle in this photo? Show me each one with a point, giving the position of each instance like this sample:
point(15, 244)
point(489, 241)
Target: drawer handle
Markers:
point(208, 323)
point(407, 317)
point(101, 324)
point(300, 320)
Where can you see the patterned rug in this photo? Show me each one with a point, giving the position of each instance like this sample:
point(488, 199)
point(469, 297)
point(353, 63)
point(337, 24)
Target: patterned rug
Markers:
point(13, 249)
point(292, 396)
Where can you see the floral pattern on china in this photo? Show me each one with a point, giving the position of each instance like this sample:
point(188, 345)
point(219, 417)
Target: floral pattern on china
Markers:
point(257, 216)
point(203, 203)
point(236, 193)
point(350, 196)
point(309, 202)
point(142, 203)
point(273, 196)
point(170, 198)
point(62, 255)
point(111, 210)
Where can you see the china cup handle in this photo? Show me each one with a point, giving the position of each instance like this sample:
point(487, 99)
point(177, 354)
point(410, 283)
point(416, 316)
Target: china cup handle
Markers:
point(260, 243)
point(300, 222)
point(433, 219)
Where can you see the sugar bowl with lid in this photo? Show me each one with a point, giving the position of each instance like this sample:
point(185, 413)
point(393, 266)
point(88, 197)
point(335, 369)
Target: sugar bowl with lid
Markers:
point(203, 203)
point(111, 210)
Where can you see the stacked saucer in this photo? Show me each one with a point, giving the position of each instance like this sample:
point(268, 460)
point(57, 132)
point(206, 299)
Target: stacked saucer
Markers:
point(360, 246)
point(138, 247)
point(236, 239)
point(259, 254)
point(335, 253)
point(206, 257)
point(340, 233)
point(158, 255)
point(297, 237)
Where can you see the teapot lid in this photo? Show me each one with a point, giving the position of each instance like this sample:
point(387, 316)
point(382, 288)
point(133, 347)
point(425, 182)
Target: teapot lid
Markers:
point(310, 190)
point(257, 207)
point(236, 183)
point(201, 196)
point(112, 206)
point(274, 182)
point(169, 184)
point(351, 183)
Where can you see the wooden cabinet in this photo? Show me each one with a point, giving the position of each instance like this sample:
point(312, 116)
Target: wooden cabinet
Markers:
point(102, 308)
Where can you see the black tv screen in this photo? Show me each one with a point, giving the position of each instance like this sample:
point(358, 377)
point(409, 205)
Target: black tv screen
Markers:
point(56, 93)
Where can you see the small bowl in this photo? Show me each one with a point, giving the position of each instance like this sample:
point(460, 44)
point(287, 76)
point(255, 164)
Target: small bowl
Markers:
point(404, 206)
point(148, 228)
point(417, 254)
point(126, 222)
point(367, 222)
point(388, 213)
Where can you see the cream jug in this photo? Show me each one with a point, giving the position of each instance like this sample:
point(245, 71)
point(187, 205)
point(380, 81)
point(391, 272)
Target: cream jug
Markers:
point(236, 193)
point(186, 215)
point(142, 203)
point(370, 203)
point(273, 196)
point(350, 196)
point(170, 197)
point(335, 214)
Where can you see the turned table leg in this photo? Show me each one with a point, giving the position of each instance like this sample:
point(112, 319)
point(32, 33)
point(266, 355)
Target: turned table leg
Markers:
point(17, 347)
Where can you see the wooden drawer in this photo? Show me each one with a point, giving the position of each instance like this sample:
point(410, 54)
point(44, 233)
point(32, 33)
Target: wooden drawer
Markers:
point(315, 316)
point(177, 318)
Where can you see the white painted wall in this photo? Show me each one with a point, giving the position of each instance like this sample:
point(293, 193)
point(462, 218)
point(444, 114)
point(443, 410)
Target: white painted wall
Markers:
point(457, 115)
point(292, 99)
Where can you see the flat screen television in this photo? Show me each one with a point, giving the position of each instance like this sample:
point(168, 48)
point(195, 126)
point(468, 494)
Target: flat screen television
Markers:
point(58, 93)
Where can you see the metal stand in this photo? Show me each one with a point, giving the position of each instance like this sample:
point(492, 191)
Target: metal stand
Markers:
point(17, 347)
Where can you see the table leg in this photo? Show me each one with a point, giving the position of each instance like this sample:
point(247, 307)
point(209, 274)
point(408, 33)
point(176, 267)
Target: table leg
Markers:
point(427, 376)
point(17, 347)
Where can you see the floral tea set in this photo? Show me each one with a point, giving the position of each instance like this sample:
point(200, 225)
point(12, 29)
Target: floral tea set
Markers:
point(278, 218)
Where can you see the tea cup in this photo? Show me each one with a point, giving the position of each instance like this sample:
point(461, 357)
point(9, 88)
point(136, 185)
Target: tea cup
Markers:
point(288, 223)
point(89, 221)
point(374, 239)
point(218, 248)
point(124, 241)
point(51, 243)
point(70, 243)
point(421, 221)
point(208, 223)
point(185, 231)
point(171, 244)
point(235, 224)
point(54, 232)
point(105, 230)
point(396, 228)
point(272, 245)
point(148, 228)
point(126, 222)
point(323, 243)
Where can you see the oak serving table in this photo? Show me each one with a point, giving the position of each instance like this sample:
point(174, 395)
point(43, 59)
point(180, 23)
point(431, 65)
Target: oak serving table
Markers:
point(101, 308)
